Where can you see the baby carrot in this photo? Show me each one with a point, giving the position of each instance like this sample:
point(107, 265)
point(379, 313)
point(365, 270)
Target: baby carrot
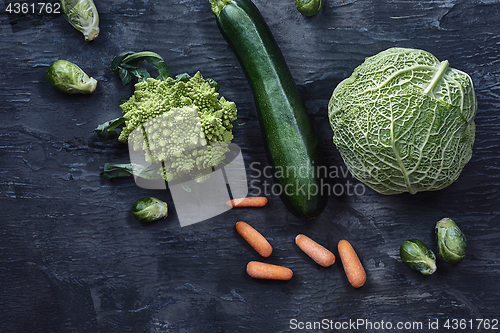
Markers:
point(352, 266)
point(260, 270)
point(247, 202)
point(254, 238)
point(318, 253)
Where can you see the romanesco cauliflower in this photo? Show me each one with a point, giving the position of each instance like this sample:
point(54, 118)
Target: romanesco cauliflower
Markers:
point(181, 124)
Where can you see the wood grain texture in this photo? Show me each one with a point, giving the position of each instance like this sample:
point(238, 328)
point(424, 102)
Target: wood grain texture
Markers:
point(73, 259)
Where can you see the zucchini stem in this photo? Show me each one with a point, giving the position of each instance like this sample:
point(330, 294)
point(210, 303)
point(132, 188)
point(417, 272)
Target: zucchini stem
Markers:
point(218, 5)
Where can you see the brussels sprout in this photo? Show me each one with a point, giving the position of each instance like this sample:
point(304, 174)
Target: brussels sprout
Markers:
point(83, 16)
point(308, 7)
point(149, 209)
point(416, 255)
point(451, 241)
point(69, 78)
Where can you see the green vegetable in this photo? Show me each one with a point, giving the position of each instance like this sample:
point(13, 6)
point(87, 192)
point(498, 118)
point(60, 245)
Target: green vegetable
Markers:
point(451, 241)
point(404, 121)
point(107, 131)
point(416, 255)
point(289, 137)
point(126, 64)
point(69, 78)
point(149, 209)
point(180, 123)
point(83, 16)
point(308, 7)
point(182, 108)
point(126, 170)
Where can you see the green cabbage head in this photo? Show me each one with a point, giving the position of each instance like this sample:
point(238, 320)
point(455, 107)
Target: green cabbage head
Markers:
point(404, 121)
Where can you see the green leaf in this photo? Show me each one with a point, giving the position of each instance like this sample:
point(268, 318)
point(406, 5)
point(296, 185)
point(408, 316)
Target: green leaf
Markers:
point(107, 131)
point(213, 84)
point(182, 77)
point(116, 64)
point(125, 76)
point(153, 59)
point(141, 74)
point(116, 170)
point(125, 65)
point(127, 170)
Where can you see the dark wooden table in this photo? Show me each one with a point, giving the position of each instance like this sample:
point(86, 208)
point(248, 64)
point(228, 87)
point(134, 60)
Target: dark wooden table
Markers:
point(73, 259)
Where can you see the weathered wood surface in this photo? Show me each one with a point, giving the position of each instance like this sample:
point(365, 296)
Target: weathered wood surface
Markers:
point(73, 259)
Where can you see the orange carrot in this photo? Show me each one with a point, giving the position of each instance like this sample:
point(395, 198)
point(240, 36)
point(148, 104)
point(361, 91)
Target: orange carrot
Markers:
point(352, 266)
point(318, 253)
point(260, 270)
point(254, 238)
point(247, 202)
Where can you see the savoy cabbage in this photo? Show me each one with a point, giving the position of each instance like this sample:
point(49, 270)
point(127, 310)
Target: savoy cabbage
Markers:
point(404, 121)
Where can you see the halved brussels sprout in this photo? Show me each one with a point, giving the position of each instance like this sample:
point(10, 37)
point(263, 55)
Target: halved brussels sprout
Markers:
point(416, 255)
point(69, 78)
point(83, 16)
point(451, 241)
point(149, 209)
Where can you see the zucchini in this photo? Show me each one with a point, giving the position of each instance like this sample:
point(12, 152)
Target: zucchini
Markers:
point(291, 144)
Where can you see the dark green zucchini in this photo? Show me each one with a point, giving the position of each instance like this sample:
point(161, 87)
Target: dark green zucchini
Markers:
point(291, 144)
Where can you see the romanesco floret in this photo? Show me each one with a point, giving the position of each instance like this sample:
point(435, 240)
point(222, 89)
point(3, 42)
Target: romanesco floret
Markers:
point(182, 125)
